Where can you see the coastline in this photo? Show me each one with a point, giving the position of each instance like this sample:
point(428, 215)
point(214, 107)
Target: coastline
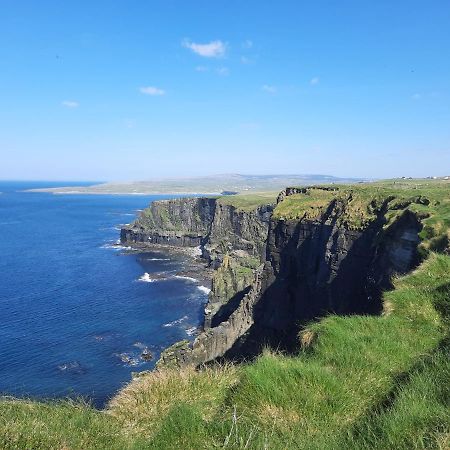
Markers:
point(197, 269)
point(56, 191)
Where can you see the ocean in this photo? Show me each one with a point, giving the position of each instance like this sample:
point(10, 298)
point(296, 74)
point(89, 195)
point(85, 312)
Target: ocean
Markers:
point(77, 313)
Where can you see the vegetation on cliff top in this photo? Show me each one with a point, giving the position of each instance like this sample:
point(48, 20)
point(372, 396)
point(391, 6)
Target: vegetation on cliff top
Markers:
point(249, 202)
point(429, 200)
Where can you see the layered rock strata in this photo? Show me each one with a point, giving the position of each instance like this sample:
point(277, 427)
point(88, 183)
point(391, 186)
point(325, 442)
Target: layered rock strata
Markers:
point(275, 272)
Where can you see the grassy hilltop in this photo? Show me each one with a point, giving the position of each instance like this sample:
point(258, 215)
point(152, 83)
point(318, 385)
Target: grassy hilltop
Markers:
point(358, 382)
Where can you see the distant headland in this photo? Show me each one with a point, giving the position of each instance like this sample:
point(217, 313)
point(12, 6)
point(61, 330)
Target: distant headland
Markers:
point(222, 184)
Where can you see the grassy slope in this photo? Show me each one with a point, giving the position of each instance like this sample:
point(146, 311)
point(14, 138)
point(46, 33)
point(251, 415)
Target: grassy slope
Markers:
point(358, 382)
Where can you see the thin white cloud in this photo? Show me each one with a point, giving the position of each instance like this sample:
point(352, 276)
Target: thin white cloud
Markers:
point(202, 69)
point(245, 60)
point(223, 71)
point(70, 104)
point(152, 90)
point(213, 49)
point(269, 89)
point(247, 44)
point(314, 81)
point(416, 96)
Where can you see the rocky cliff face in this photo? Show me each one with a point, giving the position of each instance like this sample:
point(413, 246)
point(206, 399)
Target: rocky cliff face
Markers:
point(237, 231)
point(275, 272)
point(179, 222)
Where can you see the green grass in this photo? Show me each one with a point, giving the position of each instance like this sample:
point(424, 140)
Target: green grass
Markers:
point(249, 202)
point(428, 199)
point(315, 399)
point(57, 425)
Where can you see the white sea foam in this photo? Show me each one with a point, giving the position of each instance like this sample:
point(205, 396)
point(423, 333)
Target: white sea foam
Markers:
point(139, 345)
point(194, 280)
point(191, 331)
point(116, 247)
point(128, 359)
point(158, 259)
point(204, 289)
point(175, 322)
point(146, 278)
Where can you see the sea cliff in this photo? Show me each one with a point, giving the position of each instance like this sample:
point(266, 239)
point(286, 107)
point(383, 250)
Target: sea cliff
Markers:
point(279, 264)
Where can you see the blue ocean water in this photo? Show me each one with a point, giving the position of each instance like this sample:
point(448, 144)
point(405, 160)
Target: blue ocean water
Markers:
point(74, 317)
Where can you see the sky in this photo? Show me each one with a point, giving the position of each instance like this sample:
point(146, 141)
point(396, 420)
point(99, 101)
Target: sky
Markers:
point(132, 90)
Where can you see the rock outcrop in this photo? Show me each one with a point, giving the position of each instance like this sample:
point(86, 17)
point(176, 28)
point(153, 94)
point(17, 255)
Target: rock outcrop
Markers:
point(329, 253)
point(178, 222)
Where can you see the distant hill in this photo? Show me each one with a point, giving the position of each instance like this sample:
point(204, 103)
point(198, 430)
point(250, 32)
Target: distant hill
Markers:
point(213, 184)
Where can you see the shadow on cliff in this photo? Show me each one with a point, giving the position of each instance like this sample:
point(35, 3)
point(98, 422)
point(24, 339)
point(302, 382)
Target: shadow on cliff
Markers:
point(228, 308)
point(320, 270)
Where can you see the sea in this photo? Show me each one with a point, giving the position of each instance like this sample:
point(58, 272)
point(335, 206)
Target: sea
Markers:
point(79, 313)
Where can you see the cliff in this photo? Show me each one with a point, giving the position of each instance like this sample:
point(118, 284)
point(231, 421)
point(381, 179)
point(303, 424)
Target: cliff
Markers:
point(321, 250)
point(178, 222)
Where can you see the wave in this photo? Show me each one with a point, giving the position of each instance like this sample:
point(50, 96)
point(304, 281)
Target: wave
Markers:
point(139, 345)
point(128, 359)
point(191, 331)
point(146, 278)
point(157, 259)
point(116, 247)
point(204, 289)
point(194, 280)
point(175, 322)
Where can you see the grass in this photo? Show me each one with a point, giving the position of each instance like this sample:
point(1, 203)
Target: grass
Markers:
point(315, 400)
point(361, 203)
point(249, 202)
point(143, 407)
point(56, 425)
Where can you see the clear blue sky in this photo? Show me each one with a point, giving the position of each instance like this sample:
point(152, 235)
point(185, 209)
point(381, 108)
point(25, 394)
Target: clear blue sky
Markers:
point(115, 90)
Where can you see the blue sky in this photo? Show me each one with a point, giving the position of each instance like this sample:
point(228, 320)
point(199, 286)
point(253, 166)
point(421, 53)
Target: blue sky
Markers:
point(115, 90)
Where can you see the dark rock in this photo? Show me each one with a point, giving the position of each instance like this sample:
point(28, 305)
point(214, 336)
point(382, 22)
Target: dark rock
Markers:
point(146, 355)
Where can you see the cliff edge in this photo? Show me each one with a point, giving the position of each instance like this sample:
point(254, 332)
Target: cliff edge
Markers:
point(279, 264)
